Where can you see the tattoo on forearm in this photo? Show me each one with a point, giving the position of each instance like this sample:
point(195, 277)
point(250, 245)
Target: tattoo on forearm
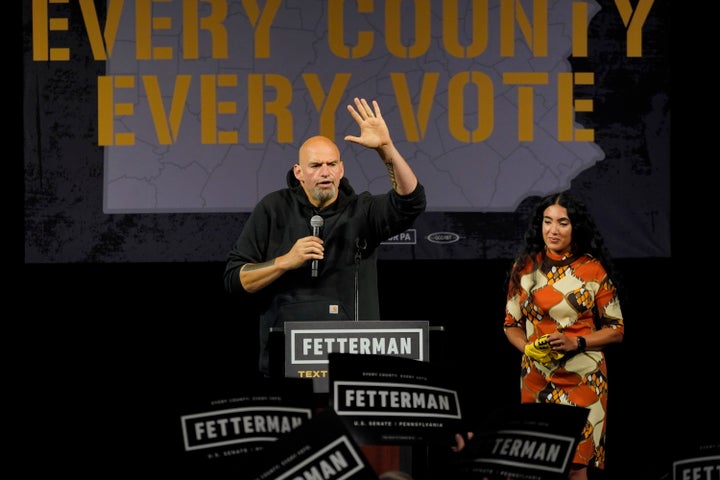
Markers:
point(391, 172)
point(255, 266)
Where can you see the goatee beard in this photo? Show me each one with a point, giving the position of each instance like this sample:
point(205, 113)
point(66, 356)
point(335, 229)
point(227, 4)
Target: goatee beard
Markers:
point(322, 195)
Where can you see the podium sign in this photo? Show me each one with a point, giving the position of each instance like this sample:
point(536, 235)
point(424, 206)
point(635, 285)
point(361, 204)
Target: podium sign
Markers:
point(307, 344)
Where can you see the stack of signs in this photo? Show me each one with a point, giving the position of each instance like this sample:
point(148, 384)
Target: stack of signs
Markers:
point(319, 449)
point(385, 400)
point(534, 441)
point(222, 436)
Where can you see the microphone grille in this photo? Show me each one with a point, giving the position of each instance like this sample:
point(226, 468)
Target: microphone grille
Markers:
point(316, 221)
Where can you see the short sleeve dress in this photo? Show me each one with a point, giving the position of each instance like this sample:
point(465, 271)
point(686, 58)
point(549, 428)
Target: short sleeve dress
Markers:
point(570, 294)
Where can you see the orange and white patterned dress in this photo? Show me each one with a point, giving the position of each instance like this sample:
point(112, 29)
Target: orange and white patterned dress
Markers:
point(574, 296)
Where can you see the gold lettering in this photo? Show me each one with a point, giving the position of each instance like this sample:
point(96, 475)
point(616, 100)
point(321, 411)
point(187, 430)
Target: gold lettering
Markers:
point(485, 106)
point(393, 28)
point(634, 20)
point(567, 107)
point(579, 29)
point(526, 108)
point(107, 109)
point(331, 101)
point(415, 125)
point(451, 32)
point(212, 108)
point(155, 101)
point(212, 23)
point(535, 36)
point(336, 30)
point(257, 109)
point(262, 21)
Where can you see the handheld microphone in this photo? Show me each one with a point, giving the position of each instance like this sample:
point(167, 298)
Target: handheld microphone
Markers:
point(316, 222)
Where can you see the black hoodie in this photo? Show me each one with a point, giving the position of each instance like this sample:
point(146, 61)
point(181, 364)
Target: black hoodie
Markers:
point(354, 226)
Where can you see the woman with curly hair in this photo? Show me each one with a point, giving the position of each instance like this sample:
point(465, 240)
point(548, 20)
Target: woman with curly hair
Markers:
point(562, 309)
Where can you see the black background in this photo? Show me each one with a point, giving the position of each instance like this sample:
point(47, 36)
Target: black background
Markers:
point(117, 349)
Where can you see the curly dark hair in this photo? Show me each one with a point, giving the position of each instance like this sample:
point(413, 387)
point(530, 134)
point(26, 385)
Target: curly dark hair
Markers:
point(586, 238)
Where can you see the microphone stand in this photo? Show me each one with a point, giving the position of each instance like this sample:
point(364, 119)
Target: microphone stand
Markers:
point(358, 257)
